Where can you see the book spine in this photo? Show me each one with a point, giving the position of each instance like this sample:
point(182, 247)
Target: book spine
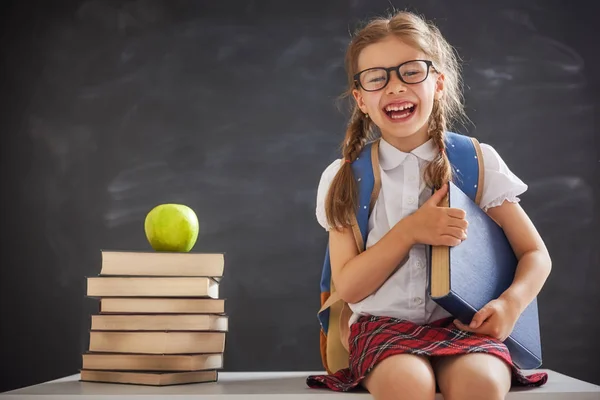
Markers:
point(455, 306)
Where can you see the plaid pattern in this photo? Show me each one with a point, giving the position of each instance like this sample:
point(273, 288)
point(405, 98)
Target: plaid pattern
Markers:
point(373, 339)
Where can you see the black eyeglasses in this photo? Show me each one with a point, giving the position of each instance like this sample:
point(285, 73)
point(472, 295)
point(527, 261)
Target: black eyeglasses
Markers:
point(409, 72)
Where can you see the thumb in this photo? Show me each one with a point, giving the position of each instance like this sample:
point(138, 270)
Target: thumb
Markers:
point(438, 195)
point(480, 316)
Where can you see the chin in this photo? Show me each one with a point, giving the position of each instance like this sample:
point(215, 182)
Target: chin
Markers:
point(402, 131)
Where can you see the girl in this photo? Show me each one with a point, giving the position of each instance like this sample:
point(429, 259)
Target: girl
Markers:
point(404, 78)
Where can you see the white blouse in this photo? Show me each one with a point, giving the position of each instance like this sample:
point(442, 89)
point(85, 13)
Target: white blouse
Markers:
point(403, 191)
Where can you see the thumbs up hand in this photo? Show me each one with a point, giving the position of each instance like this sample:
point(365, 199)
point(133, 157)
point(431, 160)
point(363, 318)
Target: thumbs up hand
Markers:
point(438, 226)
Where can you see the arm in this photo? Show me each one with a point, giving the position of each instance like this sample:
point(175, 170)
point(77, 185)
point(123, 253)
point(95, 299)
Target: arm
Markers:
point(534, 261)
point(355, 275)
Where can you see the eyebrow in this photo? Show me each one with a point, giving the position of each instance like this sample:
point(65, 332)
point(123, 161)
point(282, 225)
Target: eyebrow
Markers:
point(420, 57)
point(391, 65)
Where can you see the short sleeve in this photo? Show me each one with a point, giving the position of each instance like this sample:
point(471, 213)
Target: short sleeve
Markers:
point(326, 179)
point(499, 184)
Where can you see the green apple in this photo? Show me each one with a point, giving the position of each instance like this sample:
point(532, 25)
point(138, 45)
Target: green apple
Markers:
point(171, 227)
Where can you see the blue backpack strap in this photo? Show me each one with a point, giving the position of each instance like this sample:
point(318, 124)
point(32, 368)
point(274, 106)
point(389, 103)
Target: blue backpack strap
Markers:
point(368, 184)
point(467, 164)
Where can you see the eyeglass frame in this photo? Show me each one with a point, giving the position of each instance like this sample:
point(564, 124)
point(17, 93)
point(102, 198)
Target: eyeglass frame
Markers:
point(357, 82)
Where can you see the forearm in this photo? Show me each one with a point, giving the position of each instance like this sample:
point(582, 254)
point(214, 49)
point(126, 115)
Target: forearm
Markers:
point(531, 274)
point(365, 273)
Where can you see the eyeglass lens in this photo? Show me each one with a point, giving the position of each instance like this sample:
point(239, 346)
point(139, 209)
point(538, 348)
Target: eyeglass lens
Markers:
point(411, 73)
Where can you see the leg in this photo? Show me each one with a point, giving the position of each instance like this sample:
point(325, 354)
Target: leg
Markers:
point(403, 376)
point(472, 376)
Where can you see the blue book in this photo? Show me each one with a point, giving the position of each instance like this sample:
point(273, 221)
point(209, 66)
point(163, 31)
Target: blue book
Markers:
point(464, 278)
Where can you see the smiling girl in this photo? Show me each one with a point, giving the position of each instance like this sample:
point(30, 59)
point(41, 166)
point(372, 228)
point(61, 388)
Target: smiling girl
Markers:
point(405, 82)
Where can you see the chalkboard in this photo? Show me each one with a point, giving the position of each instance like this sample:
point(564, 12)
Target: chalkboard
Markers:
point(113, 107)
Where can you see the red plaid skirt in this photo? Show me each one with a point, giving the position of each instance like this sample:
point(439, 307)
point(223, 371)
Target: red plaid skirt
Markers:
point(373, 339)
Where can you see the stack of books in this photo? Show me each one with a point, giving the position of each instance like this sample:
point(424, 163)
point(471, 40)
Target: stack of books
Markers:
point(161, 321)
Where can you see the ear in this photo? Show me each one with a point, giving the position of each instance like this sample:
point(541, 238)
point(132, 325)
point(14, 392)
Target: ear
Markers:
point(439, 86)
point(359, 100)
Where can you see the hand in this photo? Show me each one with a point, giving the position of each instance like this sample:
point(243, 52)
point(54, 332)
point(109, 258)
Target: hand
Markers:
point(496, 319)
point(434, 225)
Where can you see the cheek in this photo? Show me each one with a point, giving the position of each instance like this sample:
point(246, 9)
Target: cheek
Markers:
point(427, 92)
point(426, 102)
point(372, 102)
point(426, 97)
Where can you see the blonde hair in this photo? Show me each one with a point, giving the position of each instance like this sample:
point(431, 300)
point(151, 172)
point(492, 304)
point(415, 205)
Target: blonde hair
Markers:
point(415, 31)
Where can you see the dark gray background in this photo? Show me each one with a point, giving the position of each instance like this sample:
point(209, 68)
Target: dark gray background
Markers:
point(112, 107)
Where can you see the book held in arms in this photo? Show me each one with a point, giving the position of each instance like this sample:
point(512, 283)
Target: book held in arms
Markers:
point(464, 278)
point(161, 321)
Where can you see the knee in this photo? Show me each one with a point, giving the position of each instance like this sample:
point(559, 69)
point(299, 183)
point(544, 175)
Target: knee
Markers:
point(412, 384)
point(402, 380)
point(478, 383)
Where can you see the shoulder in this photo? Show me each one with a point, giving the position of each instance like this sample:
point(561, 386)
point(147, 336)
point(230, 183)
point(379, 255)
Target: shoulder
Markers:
point(328, 174)
point(324, 184)
point(499, 182)
point(491, 158)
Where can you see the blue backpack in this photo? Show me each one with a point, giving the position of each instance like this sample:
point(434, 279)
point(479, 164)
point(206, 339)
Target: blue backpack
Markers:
point(465, 157)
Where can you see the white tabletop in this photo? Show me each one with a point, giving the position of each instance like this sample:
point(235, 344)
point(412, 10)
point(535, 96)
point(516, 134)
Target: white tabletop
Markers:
point(261, 385)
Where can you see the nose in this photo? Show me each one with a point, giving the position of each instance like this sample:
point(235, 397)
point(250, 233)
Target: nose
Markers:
point(395, 85)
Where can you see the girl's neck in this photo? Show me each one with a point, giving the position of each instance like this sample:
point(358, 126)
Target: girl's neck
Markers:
point(408, 143)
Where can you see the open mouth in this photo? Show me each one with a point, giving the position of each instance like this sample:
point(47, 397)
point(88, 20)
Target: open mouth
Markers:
point(400, 111)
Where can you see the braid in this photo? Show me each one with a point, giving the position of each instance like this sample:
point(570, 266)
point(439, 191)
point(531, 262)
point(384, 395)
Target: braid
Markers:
point(341, 201)
point(438, 171)
point(355, 135)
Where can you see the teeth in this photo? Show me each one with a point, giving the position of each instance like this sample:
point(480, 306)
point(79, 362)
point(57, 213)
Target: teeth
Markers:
point(399, 108)
point(403, 115)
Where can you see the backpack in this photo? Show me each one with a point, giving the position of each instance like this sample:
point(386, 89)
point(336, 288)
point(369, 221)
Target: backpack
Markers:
point(465, 158)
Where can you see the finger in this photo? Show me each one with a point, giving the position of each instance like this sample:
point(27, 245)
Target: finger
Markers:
point(456, 213)
point(489, 329)
point(458, 223)
point(438, 195)
point(480, 316)
point(462, 326)
point(486, 329)
point(455, 232)
point(448, 240)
